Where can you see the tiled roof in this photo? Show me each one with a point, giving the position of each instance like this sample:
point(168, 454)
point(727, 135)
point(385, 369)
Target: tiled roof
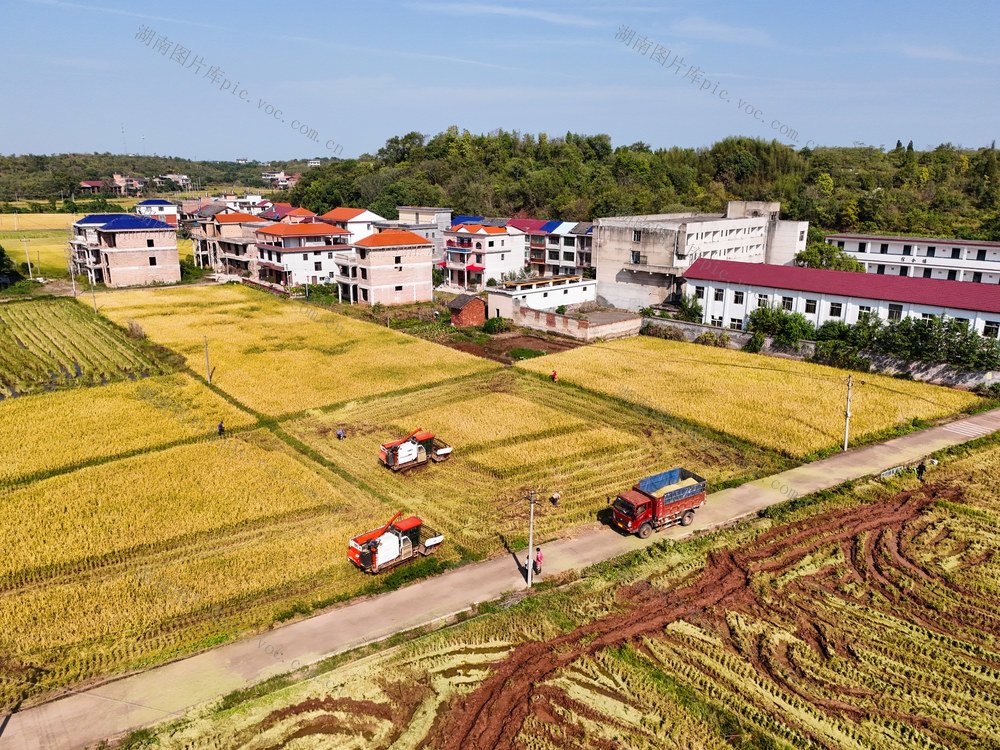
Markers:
point(91, 183)
point(582, 227)
point(342, 213)
point(549, 226)
point(301, 230)
point(963, 295)
point(466, 220)
point(300, 212)
point(461, 301)
point(393, 237)
point(527, 225)
point(479, 229)
point(237, 218)
point(98, 218)
point(123, 222)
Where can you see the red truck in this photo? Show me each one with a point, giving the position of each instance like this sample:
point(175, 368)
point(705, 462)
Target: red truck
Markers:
point(659, 501)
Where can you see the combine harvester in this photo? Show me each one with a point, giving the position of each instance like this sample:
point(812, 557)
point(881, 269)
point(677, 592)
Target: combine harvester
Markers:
point(659, 501)
point(393, 544)
point(415, 449)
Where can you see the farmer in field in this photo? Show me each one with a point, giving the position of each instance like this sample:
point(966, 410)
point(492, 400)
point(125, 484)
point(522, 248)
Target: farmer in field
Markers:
point(555, 378)
point(340, 434)
point(920, 471)
point(222, 430)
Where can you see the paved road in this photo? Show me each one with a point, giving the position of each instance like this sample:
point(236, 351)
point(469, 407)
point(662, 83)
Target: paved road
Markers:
point(145, 698)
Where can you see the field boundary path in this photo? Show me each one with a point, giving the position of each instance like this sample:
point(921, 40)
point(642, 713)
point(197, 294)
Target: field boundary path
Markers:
point(114, 708)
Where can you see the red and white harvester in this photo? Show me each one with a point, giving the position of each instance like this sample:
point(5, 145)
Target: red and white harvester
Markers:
point(393, 544)
point(415, 449)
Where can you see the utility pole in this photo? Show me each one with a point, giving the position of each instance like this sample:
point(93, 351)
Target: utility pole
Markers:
point(26, 255)
point(93, 295)
point(847, 413)
point(208, 369)
point(531, 537)
point(72, 277)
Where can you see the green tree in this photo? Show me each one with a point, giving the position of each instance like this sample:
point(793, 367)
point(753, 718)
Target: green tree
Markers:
point(823, 255)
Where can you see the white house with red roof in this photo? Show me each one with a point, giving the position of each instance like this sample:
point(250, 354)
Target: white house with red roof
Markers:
point(475, 253)
point(927, 257)
point(360, 222)
point(392, 267)
point(296, 254)
point(159, 209)
point(729, 291)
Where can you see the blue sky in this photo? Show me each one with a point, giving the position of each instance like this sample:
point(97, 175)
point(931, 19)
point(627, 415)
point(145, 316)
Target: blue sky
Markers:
point(359, 73)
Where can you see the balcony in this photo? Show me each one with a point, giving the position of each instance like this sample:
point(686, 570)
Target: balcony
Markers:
point(463, 245)
point(643, 264)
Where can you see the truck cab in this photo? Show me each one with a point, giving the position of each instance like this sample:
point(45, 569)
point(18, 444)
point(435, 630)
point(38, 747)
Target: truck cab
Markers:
point(632, 509)
point(661, 500)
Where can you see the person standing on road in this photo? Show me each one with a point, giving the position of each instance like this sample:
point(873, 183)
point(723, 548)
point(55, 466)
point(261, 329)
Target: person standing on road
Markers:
point(920, 471)
point(538, 561)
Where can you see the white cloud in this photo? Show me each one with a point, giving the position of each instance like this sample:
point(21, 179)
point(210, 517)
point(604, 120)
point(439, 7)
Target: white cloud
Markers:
point(701, 28)
point(461, 9)
point(933, 52)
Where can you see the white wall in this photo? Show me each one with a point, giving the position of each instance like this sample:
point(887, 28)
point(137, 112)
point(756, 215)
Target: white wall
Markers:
point(728, 309)
point(540, 298)
point(918, 262)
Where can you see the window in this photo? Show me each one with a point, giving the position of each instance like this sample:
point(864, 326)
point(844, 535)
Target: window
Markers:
point(362, 254)
point(479, 257)
point(802, 236)
point(502, 256)
point(884, 248)
point(720, 294)
point(364, 294)
point(305, 256)
point(956, 252)
point(952, 275)
point(364, 273)
point(977, 277)
point(717, 321)
point(329, 256)
point(149, 243)
point(399, 287)
point(761, 300)
point(737, 298)
point(479, 246)
point(980, 255)
point(895, 312)
point(545, 294)
point(836, 308)
point(636, 235)
point(565, 291)
point(991, 328)
point(963, 321)
point(635, 256)
point(699, 292)
point(926, 316)
point(786, 302)
point(840, 244)
point(931, 250)
point(880, 268)
point(907, 249)
point(927, 273)
point(316, 252)
point(864, 312)
point(318, 265)
point(904, 271)
point(152, 260)
point(862, 247)
point(810, 306)
point(399, 259)
point(735, 323)
point(489, 244)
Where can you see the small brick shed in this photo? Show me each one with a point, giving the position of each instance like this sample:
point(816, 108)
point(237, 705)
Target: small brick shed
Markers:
point(467, 310)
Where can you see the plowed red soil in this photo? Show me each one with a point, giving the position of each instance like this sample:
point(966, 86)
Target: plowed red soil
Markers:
point(874, 540)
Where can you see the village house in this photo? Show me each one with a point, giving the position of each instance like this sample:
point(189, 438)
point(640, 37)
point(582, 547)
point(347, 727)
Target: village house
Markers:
point(296, 254)
point(123, 250)
point(391, 267)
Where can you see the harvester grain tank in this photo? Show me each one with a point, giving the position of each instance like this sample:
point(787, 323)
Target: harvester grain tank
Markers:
point(658, 501)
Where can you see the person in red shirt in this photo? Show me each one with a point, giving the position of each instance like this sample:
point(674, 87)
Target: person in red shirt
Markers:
point(538, 561)
point(555, 377)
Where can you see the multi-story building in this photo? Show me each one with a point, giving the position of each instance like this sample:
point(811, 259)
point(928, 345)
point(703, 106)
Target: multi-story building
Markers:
point(122, 184)
point(298, 216)
point(926, 257)
point(158, 209)
point(294, 254)
point(122, 250)
point(392, 267)
point(224, 241)
point(641, 259)
point(729, 291)
point(430, 222)
point(534, 239)
point(359, 222)
point(475, 253)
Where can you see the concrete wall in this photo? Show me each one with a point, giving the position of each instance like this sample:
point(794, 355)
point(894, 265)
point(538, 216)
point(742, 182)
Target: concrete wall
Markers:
point(573, 327)
point(500, 303)
point(132, 267)
point(787, 239)
point(392, 283)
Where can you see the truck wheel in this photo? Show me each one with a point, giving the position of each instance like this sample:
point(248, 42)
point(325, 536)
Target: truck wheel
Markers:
point(687, 518)
point(645, 530)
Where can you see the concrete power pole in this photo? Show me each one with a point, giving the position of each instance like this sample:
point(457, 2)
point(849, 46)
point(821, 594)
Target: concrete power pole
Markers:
point(26, 255)
point(208, 369)
point(531, 537)
point(847, 413)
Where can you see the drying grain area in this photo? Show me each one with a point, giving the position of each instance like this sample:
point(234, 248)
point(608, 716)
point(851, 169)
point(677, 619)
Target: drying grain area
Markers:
point(863, 619)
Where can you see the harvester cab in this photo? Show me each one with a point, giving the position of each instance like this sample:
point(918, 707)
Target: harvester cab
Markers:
point(415, 449)
point(396, 542)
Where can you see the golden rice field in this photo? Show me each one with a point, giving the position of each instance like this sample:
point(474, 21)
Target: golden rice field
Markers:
point(103, 422)
point(864, 622)
point(275, 358)
point(47, 248)
point(33, 222)
point(510, 433)
point(785, 405)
